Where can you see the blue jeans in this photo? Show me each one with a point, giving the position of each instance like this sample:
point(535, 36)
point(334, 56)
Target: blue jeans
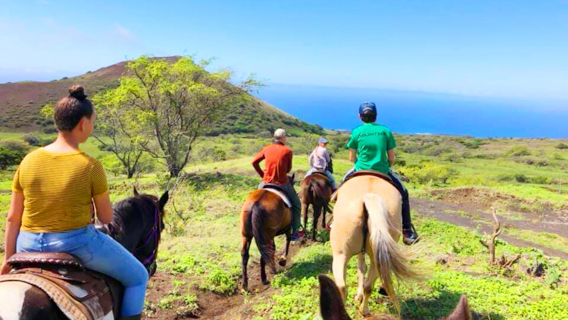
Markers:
point(98, 252)
point(327, 173)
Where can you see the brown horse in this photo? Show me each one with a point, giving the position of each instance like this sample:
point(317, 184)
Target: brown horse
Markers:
point(367, 220)
point(137, 225)
point(315, 191)
point(332, 308)
point(264, 215)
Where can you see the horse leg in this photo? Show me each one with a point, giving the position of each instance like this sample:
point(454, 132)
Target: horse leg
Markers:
point(324, 210)
point(272, 264)
point(372, 276)
point(263, 272)
point(245, 257)
point(339, 265)
point(361, 266)
point(317, 212)
point(305, 206)
point(284, 258)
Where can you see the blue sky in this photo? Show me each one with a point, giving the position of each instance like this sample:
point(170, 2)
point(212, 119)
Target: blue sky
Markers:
point(515, 49)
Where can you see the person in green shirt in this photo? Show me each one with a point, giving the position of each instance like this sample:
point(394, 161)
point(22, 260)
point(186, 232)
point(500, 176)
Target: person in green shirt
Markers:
point(372, 147)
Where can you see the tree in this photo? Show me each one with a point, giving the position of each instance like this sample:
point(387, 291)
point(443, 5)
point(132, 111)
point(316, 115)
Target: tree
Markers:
point(118, 128)
point(11, 153)
point(174, 103)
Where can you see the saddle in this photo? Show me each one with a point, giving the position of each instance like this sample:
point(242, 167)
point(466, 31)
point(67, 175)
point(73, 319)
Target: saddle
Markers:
point(80, 294)
point(320, 173)
point(277, 190)
point(371, 173)
point(364, 173)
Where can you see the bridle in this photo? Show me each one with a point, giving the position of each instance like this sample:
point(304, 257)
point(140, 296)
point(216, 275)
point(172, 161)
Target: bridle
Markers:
point(154, 234)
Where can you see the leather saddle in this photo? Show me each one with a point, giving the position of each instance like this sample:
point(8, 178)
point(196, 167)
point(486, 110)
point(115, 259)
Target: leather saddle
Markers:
point(320, 173)
point(277, 189)
point(367, 173)
point(80, 294)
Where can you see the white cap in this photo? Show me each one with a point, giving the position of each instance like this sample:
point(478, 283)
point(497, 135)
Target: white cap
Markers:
point(279, 133)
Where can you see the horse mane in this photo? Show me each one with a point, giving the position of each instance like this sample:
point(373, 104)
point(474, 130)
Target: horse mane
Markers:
point(124, 209)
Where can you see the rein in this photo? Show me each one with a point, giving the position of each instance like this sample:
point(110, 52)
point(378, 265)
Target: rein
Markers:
point(153, 234)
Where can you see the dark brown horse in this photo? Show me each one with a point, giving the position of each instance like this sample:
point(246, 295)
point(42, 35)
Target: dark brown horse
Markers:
point(264, 215)
point(332, 308)
point(316, 191)
point(137, 225)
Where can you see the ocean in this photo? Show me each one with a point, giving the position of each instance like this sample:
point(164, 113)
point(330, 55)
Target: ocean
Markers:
point(423, 113)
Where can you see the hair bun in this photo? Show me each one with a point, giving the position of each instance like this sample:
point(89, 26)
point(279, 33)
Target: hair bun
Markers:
point(78, 92)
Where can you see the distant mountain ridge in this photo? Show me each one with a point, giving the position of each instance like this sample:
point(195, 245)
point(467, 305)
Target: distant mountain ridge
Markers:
point(20, 103)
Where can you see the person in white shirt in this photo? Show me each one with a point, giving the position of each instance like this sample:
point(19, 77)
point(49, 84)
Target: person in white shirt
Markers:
point(320, 160)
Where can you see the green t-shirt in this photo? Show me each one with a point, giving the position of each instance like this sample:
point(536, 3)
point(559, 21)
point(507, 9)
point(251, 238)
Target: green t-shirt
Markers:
point(372, 141)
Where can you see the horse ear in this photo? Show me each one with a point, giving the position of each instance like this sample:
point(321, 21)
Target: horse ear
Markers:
point(135, 191)
point(331, 304)
point(164, 199)
point(462, 311)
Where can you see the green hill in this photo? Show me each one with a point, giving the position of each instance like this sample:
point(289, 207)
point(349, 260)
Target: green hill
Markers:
point(21, 102)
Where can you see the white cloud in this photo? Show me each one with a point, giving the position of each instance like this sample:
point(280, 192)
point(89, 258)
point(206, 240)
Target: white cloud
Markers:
point(125, 35)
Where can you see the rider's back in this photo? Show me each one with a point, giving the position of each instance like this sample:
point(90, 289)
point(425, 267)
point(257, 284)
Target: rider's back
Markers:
point(372, 141)
point(58, 188)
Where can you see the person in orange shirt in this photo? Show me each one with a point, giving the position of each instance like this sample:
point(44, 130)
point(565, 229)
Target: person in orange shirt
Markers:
point(277, 164)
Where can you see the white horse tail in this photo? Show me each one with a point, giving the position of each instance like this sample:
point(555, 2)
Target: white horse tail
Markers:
point(388, 254)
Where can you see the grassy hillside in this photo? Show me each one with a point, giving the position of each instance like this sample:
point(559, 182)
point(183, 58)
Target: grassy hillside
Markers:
point(20, 104)
point(199, 260)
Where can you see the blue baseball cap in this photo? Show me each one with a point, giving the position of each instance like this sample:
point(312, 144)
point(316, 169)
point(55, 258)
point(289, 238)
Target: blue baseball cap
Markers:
point(367, 107)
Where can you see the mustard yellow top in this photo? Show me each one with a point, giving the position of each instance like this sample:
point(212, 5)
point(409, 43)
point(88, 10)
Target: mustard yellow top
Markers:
point(58, 188)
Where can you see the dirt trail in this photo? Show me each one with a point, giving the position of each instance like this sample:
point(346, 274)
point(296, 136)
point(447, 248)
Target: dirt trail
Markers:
point(472, 216)
point(467, 214)
point(212, 305)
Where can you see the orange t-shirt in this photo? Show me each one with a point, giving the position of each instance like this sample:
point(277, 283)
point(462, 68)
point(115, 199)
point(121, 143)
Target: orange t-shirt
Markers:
point(278, 162)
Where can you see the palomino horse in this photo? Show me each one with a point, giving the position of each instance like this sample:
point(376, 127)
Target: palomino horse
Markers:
point(264, 215)
point(367, 219)
point(137, 225)
point(332, 307)
point(315, 191)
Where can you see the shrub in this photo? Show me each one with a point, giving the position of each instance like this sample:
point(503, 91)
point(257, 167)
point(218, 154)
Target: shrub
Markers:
point(519, 151)
point(428, 172)
point(453, 157)
point(472, 144)
point(12, 152)
point(557, 156)
point(521, 178)
point(35, 140)
point(562, 146)
point(435, 151)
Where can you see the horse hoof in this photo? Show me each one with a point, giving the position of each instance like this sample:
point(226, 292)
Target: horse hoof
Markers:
point(265, 282)
point(383, 292)
point(364, 311)
point(282, 262)
point(359, 298)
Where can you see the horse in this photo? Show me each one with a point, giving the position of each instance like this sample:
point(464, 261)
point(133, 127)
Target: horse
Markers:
point(315, 191)
point(367, 220)
point(137, 225)
point(332, 307)
point(264, 215)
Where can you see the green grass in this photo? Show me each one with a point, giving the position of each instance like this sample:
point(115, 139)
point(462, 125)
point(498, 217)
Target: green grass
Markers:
point(201, 245)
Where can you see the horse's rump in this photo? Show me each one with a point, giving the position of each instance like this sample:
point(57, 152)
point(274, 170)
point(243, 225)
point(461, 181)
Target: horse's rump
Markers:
point(367, 219)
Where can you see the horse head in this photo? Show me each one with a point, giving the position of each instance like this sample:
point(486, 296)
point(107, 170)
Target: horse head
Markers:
point(141, 221)
point(292, 178)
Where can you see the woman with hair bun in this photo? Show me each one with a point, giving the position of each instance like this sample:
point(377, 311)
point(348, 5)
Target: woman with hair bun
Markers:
point(53, 191)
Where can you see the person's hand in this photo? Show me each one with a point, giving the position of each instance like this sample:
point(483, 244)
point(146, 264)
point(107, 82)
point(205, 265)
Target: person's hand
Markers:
point(5, 267)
